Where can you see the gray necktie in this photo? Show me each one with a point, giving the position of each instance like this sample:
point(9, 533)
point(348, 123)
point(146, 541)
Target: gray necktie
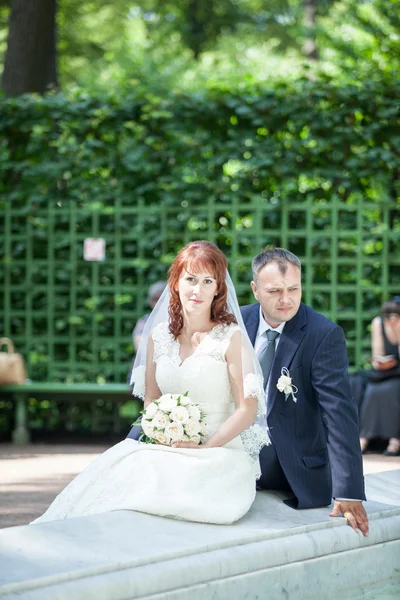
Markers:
point(266, 356)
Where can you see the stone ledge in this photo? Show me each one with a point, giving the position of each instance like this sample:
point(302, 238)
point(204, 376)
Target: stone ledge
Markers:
point(289, 554)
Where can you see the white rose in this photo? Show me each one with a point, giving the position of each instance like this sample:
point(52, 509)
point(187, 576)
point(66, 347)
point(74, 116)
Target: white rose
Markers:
point(147, 428)
point(160, 420)
point(194, 412)
point(203, 428)
point(195, 439)
point(284, 384)
point(192, 428)
point(174, 431)
point(151, 410)
point(162, 438)
point(185, 400)
point(168, 402)
point(179, 414)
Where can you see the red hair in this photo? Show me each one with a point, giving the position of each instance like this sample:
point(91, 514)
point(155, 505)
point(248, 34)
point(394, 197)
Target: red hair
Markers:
point(198, 257)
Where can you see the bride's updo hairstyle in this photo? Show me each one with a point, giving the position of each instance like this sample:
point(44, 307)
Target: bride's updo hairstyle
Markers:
point(199, 257)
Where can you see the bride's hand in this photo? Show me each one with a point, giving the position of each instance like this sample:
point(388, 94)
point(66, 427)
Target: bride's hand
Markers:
point(186, 445)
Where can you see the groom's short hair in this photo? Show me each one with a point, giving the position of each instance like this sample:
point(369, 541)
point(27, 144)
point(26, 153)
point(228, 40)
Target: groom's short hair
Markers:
point(279, 255)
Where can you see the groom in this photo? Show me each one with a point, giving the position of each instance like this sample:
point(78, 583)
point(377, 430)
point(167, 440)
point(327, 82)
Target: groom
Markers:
point(315, 452)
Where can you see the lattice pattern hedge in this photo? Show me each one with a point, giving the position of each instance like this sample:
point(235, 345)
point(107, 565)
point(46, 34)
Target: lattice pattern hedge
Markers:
point(73, 319)
point(315, 171)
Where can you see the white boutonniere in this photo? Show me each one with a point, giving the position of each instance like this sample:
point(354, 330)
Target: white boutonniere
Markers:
point(286, 386)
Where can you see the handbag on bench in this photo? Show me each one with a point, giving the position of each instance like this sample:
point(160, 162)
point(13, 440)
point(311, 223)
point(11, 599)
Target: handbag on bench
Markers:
point(12, 366)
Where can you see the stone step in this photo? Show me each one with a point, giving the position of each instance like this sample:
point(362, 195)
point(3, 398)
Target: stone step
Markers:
point(274, 552)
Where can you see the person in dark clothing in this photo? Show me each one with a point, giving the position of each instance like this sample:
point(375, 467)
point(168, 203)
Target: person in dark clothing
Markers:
point(380, 410)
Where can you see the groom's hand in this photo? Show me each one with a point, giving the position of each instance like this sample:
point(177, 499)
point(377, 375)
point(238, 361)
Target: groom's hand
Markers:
point(354, 512)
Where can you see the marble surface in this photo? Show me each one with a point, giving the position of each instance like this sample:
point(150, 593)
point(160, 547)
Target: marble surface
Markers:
point(290, 554)
point(384, 487)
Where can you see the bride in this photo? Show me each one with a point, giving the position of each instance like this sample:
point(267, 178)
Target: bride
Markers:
point(194, 342)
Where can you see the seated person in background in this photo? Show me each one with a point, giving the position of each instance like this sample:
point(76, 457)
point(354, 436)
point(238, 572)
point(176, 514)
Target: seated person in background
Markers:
point(153, 296)
point(380, 411)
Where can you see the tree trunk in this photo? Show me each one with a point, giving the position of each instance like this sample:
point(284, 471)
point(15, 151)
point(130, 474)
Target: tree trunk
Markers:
point(30, 62)
point(196, 33)
point(310, 20)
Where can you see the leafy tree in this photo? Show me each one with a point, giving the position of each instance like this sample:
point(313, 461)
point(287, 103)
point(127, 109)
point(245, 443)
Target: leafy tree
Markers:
point(362, 38)
point(191, 44)
point(200, 24)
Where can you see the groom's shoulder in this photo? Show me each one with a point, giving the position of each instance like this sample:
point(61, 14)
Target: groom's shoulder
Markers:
point(317, 320)
point(249, 309)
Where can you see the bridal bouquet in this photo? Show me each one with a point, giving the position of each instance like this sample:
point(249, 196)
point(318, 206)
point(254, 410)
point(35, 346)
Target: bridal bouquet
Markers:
point(172, 418)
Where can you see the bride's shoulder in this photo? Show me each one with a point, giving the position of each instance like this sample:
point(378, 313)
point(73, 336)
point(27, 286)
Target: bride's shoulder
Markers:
point(221, 339)
point(160, 332)
point(163, 341)
point(225, 331)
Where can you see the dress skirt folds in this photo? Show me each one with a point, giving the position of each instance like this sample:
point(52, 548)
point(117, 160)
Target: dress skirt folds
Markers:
point(191, 484)
point(211, 485)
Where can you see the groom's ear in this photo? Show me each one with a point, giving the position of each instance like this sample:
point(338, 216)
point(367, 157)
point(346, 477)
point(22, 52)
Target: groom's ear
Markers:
point(254, 288)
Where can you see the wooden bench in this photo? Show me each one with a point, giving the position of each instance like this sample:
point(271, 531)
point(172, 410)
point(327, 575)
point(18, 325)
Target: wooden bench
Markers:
point(116, 392)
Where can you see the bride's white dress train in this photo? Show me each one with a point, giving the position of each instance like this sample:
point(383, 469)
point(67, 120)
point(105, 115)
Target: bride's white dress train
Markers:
point(211, 485)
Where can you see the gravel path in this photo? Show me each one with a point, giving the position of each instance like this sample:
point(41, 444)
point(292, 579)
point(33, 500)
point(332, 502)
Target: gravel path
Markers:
point(31, 476)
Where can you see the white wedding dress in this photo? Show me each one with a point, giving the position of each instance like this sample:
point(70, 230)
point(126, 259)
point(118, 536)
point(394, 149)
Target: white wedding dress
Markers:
point(211, 485)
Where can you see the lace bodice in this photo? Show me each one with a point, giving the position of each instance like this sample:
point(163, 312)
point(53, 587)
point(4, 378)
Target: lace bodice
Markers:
point(204, 375)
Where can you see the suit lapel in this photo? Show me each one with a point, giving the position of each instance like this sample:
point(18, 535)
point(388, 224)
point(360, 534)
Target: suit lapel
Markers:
point(291, 337)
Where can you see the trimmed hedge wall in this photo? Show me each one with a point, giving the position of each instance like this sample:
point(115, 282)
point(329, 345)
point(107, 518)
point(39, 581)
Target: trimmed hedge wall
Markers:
point(313, 167)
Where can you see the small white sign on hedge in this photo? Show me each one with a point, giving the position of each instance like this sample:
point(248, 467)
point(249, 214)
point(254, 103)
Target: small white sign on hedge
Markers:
point(94, 249)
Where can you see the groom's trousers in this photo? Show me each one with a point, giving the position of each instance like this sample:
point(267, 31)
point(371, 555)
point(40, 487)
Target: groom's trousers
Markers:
point(135, 433)
point(272, 475)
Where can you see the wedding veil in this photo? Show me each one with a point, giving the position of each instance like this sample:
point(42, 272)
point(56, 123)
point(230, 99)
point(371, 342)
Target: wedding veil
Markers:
point(256, 436)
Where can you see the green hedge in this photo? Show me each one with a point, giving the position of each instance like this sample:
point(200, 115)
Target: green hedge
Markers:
point(316, 140)
point(312, 167)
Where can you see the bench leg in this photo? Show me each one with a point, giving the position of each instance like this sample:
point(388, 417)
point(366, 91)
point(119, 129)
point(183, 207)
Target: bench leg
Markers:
point(20, 435)
point(116, 418)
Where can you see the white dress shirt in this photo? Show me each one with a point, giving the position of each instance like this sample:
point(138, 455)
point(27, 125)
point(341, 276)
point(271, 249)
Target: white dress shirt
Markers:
point(261, 340)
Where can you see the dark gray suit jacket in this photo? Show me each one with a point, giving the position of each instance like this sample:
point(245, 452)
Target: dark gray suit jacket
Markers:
point(316, 438)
